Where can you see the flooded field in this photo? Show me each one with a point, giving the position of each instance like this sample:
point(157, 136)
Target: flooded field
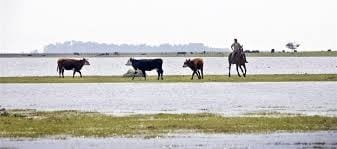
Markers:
point(324, 139)
point(311, 98)
point(173, 66)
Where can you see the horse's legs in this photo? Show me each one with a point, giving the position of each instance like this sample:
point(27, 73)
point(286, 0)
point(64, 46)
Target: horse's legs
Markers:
point(237, 70)
point(242, 71)
point(244, 66)
point(229, 70)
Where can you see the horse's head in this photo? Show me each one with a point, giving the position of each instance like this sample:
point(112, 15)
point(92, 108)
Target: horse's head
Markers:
point(186, 63)
point(86, 62)
point(129, 62)
point(241, 47)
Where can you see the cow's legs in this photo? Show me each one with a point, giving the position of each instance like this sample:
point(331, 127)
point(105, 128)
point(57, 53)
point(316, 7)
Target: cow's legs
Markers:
point(160, 73)
point(62, 72)
point(198, 74)
point(74, 73)
point(202, 73)
point(229, 70)
point(144, 74)
point(134, 74)
point(193, 74)
point(237, 70)
point(80, 73)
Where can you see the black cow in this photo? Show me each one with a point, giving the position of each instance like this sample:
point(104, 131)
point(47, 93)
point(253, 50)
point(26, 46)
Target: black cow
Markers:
point(71, 64)
point(146, 65)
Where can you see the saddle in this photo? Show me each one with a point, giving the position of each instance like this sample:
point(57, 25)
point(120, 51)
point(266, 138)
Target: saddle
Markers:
point(236, 57)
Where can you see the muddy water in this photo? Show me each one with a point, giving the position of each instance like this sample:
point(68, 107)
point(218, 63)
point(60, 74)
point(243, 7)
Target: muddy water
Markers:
point(311, 98)
point(274, 140)
point(173, 66)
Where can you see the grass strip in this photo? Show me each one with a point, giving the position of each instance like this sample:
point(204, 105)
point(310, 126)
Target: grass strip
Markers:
point(90, 124)
point(172, 78)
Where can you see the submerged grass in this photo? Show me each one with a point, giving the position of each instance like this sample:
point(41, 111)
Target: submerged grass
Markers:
point(75, 123)
point(172, 78)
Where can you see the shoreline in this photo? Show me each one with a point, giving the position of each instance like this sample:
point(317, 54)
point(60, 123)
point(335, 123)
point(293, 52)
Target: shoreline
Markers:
point(172, 79)
point(170, 54)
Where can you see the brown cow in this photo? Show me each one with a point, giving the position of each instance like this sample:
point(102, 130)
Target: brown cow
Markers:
point(196, 65)
point(71, 64)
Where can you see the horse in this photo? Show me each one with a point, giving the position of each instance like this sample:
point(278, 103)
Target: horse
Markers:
point(239, 60)
point(195, 65)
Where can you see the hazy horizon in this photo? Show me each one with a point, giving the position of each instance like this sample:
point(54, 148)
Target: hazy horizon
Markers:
point(259, 24)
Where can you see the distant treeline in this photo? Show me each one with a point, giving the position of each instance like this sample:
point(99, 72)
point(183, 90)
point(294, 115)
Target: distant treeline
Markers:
point(94, 47)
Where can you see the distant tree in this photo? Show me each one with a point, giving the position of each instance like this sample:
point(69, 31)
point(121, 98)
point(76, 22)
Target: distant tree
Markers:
point(272, 51)
point(329, 50)
point(292, 45)
point(283, 51)
point(247, 51)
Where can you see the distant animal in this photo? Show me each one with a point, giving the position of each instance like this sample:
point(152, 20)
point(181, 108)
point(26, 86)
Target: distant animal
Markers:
point(195, 65)
point(239, 60)
point(71, 64)
point(146, 65)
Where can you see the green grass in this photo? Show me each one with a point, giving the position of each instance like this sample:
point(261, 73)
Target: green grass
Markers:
point(173, 78)
point(74, 123)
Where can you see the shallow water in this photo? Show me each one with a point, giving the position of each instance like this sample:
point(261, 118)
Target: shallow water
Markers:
point(311, 98)
point(172, 66)
point(274, 140)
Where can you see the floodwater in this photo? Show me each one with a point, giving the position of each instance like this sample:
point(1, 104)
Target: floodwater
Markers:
point(324, 139)
point(172, 66)
point(310, 98)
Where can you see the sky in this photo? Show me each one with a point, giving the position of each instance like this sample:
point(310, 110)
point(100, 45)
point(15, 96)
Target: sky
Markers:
point(27, 25)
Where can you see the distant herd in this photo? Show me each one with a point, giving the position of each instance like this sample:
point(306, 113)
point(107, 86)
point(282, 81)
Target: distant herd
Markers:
point(196, 65)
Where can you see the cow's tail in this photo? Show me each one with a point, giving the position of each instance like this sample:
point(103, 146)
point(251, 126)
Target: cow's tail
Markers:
point(57, 68)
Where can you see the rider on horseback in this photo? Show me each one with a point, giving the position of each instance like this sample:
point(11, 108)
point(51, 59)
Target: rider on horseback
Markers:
point(237, 50)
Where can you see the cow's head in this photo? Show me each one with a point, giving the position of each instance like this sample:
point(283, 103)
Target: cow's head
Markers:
point(129, 62)
point(187, 62)
point(86, 62)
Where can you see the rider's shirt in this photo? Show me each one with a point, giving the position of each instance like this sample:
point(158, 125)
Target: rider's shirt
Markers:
point(236, 47)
